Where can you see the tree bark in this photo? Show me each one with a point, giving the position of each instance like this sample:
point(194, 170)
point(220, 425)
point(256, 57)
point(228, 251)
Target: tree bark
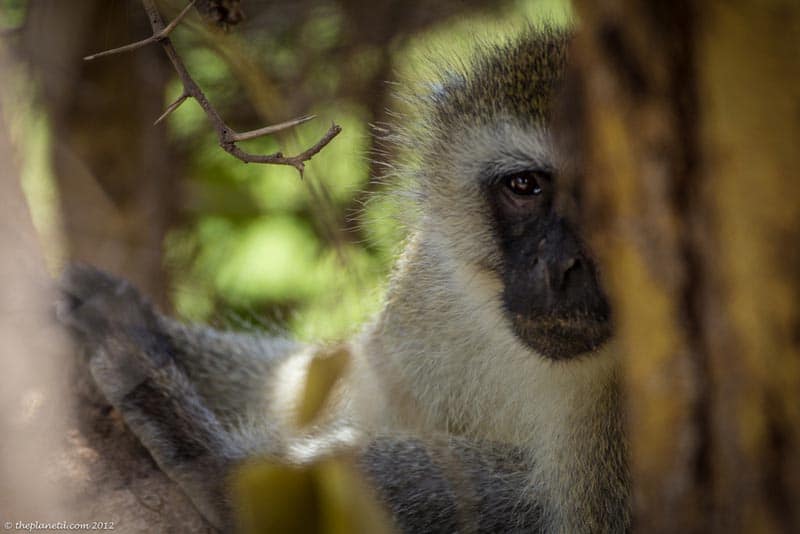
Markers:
point(111, 166)
point(31, 409)
point(690, 192)
point(116, 172)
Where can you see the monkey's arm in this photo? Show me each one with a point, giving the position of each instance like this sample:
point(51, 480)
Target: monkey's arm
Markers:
point(179, 389)
point(154, 371)
point(227, 370)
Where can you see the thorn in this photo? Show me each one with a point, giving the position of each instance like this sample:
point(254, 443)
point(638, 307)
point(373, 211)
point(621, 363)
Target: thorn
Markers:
point(266, 130)
point(172, 107)
point(172, 25)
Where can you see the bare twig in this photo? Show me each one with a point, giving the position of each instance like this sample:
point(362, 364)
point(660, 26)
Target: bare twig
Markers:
point(157, 36)
point(279, 159)
point(226, 136)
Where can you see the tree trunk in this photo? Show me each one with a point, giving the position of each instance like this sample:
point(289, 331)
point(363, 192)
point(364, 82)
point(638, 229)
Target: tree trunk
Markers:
point(691, 191)
point(115, 171)
point(111, 167)
point(31, 349)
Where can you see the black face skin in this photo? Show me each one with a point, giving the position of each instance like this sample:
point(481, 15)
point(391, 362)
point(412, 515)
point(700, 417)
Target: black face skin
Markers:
point(551, 291)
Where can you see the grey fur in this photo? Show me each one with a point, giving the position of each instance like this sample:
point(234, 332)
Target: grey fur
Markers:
point(461, 427)
point(454, 485)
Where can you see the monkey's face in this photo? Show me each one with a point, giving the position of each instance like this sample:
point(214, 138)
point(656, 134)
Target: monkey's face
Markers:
point(486, 187)
point(551, 293)
point(491, 190)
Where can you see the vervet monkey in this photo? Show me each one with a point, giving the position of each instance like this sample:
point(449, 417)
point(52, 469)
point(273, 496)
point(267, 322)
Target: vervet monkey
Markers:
point(492, 351)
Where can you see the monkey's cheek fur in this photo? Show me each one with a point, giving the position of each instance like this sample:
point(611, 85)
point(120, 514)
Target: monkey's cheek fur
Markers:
point(562, 337)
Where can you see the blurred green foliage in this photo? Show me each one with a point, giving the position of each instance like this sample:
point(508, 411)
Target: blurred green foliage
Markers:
point(256, 246)
point(12, 14)
point(261, 246)
point(326, 497)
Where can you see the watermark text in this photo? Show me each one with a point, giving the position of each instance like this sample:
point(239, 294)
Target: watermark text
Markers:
point(35, 526)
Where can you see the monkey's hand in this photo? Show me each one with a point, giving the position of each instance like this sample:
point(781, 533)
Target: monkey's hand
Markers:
point(131, 358)
point(116, 327)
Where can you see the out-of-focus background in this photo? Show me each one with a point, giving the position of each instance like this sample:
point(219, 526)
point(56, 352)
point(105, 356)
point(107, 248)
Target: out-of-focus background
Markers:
point(209, 238)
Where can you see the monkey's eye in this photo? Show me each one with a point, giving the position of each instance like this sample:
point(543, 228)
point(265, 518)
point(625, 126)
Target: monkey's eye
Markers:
point(523, 184)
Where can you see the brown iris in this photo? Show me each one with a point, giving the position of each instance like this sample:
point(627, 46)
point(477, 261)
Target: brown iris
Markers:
point(523, 184)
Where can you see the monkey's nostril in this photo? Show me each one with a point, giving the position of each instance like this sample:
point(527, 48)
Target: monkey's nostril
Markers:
point(570, 270)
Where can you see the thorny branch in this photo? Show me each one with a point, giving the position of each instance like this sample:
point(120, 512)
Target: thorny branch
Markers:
point(226, 135)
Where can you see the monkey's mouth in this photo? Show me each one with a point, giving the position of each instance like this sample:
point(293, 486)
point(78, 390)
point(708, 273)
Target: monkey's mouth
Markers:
point(563, 336)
